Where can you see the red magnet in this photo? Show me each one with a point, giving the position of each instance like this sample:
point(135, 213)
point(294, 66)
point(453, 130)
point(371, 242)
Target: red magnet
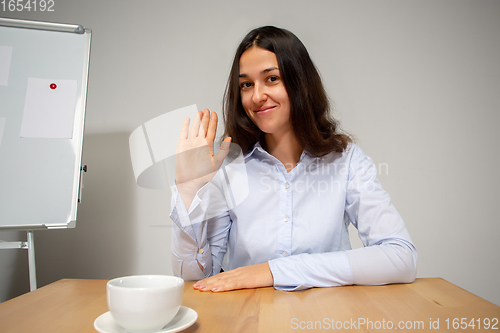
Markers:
point(53, 86)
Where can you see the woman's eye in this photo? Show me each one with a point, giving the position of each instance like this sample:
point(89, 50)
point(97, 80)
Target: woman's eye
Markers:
point(273, 78)
point(244, 85)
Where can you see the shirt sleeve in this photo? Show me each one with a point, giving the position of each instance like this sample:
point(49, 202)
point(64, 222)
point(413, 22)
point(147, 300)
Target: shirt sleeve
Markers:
point(388, 255)
point(199, 235)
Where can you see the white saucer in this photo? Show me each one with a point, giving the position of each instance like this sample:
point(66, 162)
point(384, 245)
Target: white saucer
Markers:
point(182, 320)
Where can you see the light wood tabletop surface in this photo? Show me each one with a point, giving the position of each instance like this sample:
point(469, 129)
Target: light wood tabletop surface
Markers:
point(430, 304)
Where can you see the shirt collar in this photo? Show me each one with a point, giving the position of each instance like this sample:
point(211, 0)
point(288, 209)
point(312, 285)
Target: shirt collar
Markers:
point(258, 148)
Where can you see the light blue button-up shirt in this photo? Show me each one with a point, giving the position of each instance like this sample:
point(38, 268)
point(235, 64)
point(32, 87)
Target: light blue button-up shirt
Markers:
point(296, 221)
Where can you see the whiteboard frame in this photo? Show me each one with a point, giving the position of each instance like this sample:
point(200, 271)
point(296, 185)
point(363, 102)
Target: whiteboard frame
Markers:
point(79, 116)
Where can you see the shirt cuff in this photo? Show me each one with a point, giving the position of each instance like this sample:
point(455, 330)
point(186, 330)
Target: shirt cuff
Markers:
point(179, 212)
point(298, 272)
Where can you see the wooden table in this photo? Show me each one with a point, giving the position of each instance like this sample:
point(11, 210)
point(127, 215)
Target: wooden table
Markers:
point(71, 306)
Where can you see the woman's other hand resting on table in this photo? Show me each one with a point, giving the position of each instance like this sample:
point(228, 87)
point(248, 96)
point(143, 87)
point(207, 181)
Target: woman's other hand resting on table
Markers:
point(253, 276)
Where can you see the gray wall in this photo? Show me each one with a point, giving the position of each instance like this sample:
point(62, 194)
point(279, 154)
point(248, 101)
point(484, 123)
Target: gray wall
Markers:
point(416, 82)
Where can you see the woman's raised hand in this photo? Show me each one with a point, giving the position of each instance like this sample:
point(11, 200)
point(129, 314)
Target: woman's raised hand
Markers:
point(196, 163)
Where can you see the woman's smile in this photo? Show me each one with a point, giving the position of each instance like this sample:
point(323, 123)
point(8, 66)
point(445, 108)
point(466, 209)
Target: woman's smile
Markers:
point(264, 110)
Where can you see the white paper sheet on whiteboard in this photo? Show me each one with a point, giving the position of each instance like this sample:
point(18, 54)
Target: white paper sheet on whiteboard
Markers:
point(5, 59)
point(2, 126)
point(49, 109)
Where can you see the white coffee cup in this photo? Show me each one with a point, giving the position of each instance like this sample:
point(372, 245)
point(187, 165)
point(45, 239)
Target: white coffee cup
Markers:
point(144, 303)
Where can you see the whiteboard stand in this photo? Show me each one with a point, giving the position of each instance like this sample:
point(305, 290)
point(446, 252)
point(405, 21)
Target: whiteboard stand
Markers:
point(31, 260)
point(40, 167)
point(30, 246)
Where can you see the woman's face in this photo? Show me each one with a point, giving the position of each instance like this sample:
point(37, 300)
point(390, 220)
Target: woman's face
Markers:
point(263, 93)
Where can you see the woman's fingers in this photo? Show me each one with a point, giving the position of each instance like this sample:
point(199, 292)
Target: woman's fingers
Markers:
point(193, 131)
point(204, 123)
point(200, 135)
point(212, 127)
point(252, 276)
point(185, 129)
point(212, 131)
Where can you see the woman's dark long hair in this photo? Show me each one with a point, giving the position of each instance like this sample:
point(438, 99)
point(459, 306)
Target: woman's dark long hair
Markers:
point(314, 127)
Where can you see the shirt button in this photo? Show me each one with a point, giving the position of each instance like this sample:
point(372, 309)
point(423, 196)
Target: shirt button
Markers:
point(200, 251)
point(287, 186)
point(284, 254)
point(285, 219)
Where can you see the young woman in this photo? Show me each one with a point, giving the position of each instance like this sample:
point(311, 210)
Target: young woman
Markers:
point(306, 183)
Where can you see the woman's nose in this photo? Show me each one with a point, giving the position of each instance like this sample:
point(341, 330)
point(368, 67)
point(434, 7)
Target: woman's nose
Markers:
point(259, 93)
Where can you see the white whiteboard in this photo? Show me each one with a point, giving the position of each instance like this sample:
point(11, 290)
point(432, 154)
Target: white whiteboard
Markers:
point(43, 88)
